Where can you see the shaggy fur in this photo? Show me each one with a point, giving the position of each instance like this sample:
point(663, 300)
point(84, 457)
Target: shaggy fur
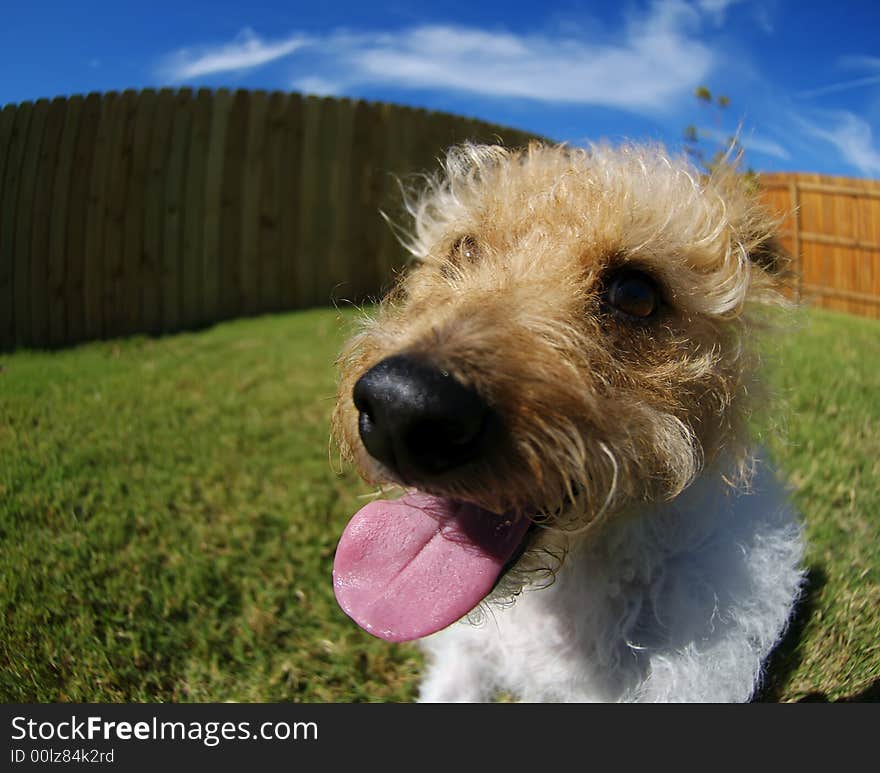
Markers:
point(655, 573)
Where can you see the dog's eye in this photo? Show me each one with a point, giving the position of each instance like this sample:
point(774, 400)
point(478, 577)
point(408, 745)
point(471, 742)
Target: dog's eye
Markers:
point(634, 293)
point(464, 249)
point(462, 253)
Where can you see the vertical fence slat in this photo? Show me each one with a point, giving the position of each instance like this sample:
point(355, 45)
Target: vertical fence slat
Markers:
point(292, 206)
point(192, 311)
point(230, 212)
point(871, 219)
point(307, 225)
point(133, 317)
point(812, 261)
point(115, 314)
point(390, 169)
point(269, 238)
point(214, 171)
point(368, 181)
point(61, 196)
point(93, 274)
point(255, 142)
point(152, 257)
point(342, 181)
point(824, 209)
point(15, 147)
point(43, 217)
point(80, 193)
point(858, 265)
point(395, 168)
point(173, 197)
point(845, 259)
point(795, 205)
point(324, 210)
point(24, 223)
point(7, 122)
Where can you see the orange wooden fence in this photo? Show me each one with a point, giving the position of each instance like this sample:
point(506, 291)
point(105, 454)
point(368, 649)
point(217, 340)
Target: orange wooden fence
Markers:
point(832, 229)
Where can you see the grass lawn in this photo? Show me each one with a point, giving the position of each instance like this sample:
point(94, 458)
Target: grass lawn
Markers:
point(169, 510)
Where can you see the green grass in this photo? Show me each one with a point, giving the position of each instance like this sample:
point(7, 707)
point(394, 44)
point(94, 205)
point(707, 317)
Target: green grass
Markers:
point(169, 510)
point(828, 446)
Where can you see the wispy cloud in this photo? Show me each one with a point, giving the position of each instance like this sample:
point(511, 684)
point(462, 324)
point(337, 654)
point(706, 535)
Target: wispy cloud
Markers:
point(716, 9)
point(750, 141)
point(761, 12)
point(314, 84)
point(869, 63)
point(246, 52)
point(652, 61)
point(850, 135)
point(861, 62)
point(833, 88)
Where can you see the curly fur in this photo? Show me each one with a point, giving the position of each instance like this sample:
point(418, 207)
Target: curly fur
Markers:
point(664, 588)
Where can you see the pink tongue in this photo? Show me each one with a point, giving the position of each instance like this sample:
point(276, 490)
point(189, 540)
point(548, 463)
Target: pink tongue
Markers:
point(409, 567)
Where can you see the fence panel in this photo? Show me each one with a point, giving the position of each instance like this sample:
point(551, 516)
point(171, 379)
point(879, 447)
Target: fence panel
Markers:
point(158, 211)
point(832, 229)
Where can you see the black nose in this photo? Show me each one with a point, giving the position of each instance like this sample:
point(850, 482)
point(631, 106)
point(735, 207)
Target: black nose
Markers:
point(417, 419)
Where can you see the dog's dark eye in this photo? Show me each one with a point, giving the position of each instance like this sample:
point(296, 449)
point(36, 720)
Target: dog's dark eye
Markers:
point(634, 293)
point(464, 250)
point(462, 253)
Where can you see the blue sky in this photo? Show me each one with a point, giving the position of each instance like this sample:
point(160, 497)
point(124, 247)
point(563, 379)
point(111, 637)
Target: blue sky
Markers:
point(803, 78)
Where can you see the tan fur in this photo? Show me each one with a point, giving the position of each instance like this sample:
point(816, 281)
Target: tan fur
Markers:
point(511, 250)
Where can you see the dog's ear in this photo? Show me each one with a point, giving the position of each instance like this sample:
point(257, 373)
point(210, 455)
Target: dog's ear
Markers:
point(771, 256)
point(756, 230)
point(776, 274)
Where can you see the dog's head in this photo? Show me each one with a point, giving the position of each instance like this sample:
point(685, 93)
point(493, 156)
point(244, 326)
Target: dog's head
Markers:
point(571, 340)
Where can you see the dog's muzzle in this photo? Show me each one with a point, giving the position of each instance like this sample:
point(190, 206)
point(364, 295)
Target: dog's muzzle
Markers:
point(418, 420)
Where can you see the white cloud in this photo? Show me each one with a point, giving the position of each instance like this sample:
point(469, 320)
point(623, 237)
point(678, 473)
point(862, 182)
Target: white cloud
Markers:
point(869, 63)
point(313, 84)
point(716, 9)
point(656, 59)
point(861, 61)
point(851, 136)
point(762, 17)
point(833, 88)
point(246, 52)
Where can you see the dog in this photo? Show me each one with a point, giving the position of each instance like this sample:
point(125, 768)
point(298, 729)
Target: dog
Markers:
point(561, 385)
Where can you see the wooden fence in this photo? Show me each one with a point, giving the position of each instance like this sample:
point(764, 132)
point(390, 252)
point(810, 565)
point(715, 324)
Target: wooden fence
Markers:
point(156, 211)
point(832, 229)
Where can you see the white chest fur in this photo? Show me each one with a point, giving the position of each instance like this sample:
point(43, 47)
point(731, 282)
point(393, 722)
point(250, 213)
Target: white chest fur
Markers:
point(677, 602)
